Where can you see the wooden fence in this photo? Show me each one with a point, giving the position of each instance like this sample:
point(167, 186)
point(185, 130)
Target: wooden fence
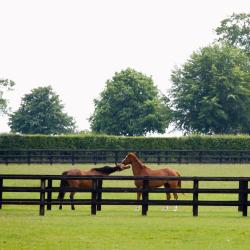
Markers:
point(46, 188)
point(109, 156)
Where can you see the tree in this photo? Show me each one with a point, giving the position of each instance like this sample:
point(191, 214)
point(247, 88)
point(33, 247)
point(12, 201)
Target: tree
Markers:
point(5, 85)
point(40, 112)
point(235, 31)
point(211, 91)
point(130, 105)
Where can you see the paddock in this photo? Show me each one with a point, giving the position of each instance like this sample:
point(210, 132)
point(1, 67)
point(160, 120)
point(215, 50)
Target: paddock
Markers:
point(96, 202)
point(214, 185)
point(214, 228)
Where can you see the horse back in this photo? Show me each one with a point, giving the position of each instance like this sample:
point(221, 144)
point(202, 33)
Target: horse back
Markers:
point(74, 171)
point(161, 172)
point(158, 172)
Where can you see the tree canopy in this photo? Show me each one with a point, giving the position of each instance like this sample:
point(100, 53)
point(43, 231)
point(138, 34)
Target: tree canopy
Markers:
point(211, 91)
point(5, 85)
point(41, 112)
point(130, 105)
point(235, 31)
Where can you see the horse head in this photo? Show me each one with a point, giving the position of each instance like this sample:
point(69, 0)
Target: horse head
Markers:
point(129, 158)
point(122, 167)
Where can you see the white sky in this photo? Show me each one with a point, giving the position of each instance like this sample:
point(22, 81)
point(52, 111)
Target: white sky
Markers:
point(76, 46)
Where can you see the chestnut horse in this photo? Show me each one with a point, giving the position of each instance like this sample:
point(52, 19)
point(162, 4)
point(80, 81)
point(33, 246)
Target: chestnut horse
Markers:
point(139, 169)
point(103, 171)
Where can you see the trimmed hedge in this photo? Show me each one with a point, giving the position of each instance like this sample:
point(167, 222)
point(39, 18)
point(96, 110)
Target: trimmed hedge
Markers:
point(218, 142)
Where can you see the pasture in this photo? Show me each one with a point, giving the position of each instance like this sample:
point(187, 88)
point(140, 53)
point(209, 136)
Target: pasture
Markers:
point(120, 227)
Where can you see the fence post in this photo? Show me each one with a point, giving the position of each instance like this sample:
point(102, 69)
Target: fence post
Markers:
point(28, 157)
point(166, 156)
point(73, 158)
point(49, 194)
point(240, 157)
point(180, 157)
point(116, 156)
point(220, 157)
point(145, 197)
point(240, 196)
point(244, 197)
point(1, 192)
point(99, 195)
point(195, 197)
point(94, 157)
point(50, 158)
point(93, 197)
point(42, 197)
point(158, 158)
point(6, 158)
point(200, 156)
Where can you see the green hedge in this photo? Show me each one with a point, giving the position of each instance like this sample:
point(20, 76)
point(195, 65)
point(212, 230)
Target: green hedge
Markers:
point(228, 142)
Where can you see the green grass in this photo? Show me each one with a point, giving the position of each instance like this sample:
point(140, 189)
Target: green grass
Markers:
point(119, 227)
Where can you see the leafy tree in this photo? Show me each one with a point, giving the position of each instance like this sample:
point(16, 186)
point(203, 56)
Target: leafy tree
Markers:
point(130, 105)
point(211, 91)
point(41, 113)
point(5, 85)
point(235, 31)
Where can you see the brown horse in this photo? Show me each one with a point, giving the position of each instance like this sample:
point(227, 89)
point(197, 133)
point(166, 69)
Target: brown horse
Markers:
point(139, 169)
point(103, 171)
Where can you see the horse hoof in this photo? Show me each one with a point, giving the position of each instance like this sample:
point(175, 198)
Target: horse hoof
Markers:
point(137, 209)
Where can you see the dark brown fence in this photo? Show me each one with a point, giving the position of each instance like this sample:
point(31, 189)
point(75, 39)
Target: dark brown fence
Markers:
point(108, 156)
point(46, 188)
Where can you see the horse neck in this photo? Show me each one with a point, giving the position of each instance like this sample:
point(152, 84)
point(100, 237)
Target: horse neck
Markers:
point(138, 167)
point(105, 171)
point(112, 170)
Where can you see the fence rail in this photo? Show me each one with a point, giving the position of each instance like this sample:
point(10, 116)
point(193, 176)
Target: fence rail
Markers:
point(46, 188)
point(107, 156)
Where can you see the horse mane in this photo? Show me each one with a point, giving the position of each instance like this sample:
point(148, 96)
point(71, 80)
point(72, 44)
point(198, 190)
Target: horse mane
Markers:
point(142, 165)
point(106, 169)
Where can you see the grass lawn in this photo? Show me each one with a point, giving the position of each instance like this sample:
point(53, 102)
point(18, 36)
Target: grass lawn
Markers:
point(120, 227)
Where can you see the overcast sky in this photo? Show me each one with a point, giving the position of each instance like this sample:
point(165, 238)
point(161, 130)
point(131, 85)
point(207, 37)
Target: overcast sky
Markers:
point(76, 46)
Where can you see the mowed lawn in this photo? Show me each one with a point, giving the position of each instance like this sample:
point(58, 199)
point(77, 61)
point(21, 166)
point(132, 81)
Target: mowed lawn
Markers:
point(120, 227)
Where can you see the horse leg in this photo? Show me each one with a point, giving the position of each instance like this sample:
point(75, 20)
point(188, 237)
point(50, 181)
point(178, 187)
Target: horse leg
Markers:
point(72, 200)
point(168, 196)
point(63, 183)
point(60, 198)
point(138, 198)
point(60, 206)
point(176, 198)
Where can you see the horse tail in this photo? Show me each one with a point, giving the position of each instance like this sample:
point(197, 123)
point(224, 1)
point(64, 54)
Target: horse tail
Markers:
point(64, 183)
point(179, 181)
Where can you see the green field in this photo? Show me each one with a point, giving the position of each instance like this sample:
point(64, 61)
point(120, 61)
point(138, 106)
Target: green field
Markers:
point(120, 227)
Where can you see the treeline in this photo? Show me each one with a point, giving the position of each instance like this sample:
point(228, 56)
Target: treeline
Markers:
point(210, 94)
point(105, 142)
